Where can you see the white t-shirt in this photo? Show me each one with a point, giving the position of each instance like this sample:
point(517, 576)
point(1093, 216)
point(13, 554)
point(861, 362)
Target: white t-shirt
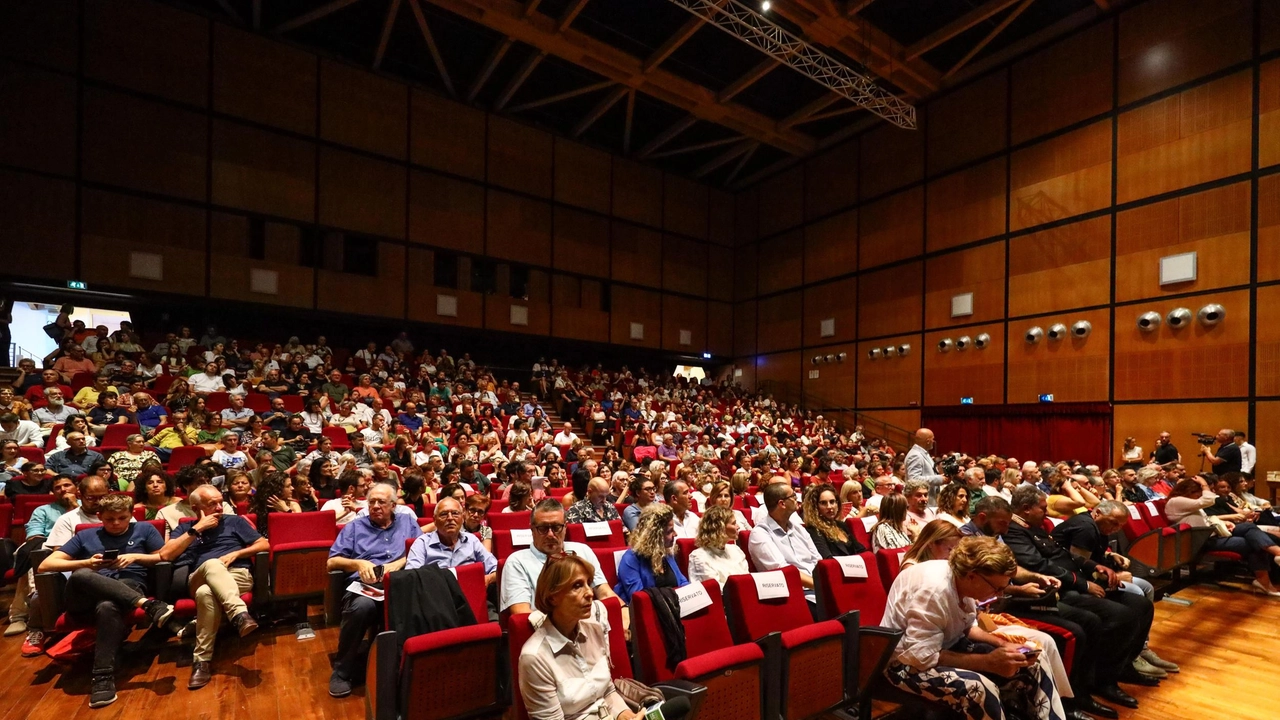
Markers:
point(203, 382)
point(228, 460)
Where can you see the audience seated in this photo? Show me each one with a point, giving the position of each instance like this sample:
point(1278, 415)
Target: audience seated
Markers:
point(890, 530)
point(450, 545)
point(830, 536)
point(520, 574)
point(650, 561)
point(717, 555)
point(595, 507)
point(1190, 503)
point(776, 541)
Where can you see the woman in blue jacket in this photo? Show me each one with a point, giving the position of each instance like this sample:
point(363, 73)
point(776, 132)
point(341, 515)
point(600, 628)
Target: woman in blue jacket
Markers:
point(650, 561)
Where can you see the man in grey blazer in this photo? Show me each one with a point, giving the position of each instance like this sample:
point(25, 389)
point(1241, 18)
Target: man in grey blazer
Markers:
point(918, 464)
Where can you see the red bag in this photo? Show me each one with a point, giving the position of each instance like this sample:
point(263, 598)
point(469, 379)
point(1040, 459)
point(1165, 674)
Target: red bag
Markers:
point(74, 646)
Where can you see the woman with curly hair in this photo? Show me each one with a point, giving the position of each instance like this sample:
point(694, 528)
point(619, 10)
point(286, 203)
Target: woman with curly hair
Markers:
point(650, 562)
point(953, 504)
point(822, 520)
point(274, 495)
point(717, 555)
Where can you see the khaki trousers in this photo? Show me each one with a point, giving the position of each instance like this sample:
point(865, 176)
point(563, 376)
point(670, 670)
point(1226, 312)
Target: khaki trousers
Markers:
point(217, 591)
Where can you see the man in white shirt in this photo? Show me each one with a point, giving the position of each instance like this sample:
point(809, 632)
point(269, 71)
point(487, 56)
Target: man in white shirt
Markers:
point(776, 542)
point(676, 495)
point(23, 432)
point(92, 489)
point(208, 381)
point(918, 464)
point(1248, 454)
point(566, 436)
point(522, 568)
point(884, 485)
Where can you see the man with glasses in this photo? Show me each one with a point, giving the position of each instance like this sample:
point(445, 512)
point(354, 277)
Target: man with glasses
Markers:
point(366, 548)
point(520, 574)
point(449, 546)
point(884, 486)
point(777, 542)
point(43, 518)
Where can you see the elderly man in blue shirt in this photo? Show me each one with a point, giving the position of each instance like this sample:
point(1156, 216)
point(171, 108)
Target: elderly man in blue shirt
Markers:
point(366, 548)
point(449, 546)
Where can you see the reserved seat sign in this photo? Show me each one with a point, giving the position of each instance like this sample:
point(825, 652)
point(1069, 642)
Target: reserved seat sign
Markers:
point(693, 597)
point(770, 585)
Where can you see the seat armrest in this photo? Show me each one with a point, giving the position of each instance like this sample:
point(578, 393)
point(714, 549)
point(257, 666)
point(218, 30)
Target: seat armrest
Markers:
point(50, 597)
point(333, 597)
point(773, 685)
point(261, 576)
point(852, 652)
point(160, 580)
point(382, 675)
point(690, 691)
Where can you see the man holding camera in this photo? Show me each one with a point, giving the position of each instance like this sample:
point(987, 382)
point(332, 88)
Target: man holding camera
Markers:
point(1228, 458)
point(918, 464)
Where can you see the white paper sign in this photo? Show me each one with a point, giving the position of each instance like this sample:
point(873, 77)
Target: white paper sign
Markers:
point(868, 522)
point(522, 537)
point(900, 556)
point(1056, 521)
point(1151, 508)
point(369, 591)
point(853, 566)
point(693, 597)
point(617, 556)
point(596, 529)
point(1133, 512)
point(770, 585)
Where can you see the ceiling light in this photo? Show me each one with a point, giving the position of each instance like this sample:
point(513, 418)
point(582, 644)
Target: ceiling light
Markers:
point(764, 6)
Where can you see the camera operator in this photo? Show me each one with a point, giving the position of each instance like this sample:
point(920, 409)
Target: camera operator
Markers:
point(1227, 458)
point(918, 464)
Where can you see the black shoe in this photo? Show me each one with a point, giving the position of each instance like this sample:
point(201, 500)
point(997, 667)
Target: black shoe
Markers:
point(244, 623)
point(1133, 677)
point(338, 687)
point(201, 674)
point(1077, 715)
point(1088, 705)
point(158, 611)
point(103, 691)
point(1114, 695)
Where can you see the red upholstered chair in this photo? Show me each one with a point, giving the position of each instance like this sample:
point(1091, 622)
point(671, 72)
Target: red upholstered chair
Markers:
point(217, 401)
point(258, 402)
point(560, 492)
point(23, 506)
point(736, 676)
point(184, 456)
point(812, 676)
point(684, 547)
point(292, 403)
point(338, 435)
point(861, 528)
point(499, 520)
point(838, 594)
point(744, 541)
point(608, 559)
point(300, 544)
point(31, 454)
point(113, 438)
point(52, 441)
point(504, 545)
point(497, 503)
point(890, 564)
point(578, 533)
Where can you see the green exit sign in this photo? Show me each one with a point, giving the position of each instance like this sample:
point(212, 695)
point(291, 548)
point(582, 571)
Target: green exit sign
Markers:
point(77, 285)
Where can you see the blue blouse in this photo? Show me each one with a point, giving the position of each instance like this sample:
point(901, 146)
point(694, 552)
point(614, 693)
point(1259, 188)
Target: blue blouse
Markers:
point(635, 574)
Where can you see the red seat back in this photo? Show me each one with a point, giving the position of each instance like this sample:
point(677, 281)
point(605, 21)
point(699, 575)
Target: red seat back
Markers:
point(704, 631)
point(578, 533)
point(115, 435)
point(744, 537)
point(52, 441)
point(184, 456)
point(292, 403)
point(303, 527)
point(860, 529)
point(608, 559)
point(509, 521)
point(838, 594)
point(890, 564)
point(338, 435)
point(217, 401)
point(503, 545)
point(753, 618)
point(684, 547)
point(1153, 514)
point(24, 505)
point(257, 402)
point(31, 454)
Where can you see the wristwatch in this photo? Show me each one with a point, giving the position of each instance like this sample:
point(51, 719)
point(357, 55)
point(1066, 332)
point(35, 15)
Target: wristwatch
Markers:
point(193, 532)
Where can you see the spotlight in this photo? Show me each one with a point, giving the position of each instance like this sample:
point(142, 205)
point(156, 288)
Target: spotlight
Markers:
point(1178, 317)
point(1082, 329)
point(706, 356)
point(1034, 335)
point(1212, 314)
point(982, 341)
point(764, 6)
point(1149, 321)
point(1057, 331)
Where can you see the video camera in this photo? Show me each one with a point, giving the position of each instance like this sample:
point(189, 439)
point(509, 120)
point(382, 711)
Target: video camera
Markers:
point(1204, 438)
point(950, 465)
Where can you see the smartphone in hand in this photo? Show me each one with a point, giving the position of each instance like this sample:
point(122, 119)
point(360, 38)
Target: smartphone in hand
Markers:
point(110, 555)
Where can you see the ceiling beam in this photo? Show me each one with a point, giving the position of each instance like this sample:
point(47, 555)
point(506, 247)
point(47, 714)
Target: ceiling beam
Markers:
point(853, 7)
point(626, 128)
point(697, 147)
point(226, 7)
point(724, 157)
point(507, 17)
point(990, 36)
point(434, 49)
point(830, 114)
point(957, 26)
point(562, 96)
point(531, 6)
point(1103, 5)
point(601, 108)
point(742, 162)
point(570, 14)
point(392, 10)
point(518, 79)
point(490, 65)
point(666, 136)
point(681, 36)
point(803, 113)
point(751, 77)
point(305, 18)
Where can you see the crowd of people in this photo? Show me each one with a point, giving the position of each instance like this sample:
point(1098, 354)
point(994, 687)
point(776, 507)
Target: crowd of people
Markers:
point(408, 448)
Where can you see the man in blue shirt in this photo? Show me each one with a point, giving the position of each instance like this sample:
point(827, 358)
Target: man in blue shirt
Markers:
point(366, 549)
point(213, 559)
point(448, 546)
point(410, 417)
point(108, 590)
point(77, 459)
point(150, 414)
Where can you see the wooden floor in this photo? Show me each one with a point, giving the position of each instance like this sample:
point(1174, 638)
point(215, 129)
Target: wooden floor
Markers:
point(1225, 643)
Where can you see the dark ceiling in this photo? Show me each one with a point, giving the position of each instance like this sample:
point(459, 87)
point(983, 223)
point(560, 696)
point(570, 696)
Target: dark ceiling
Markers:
point(710, 58)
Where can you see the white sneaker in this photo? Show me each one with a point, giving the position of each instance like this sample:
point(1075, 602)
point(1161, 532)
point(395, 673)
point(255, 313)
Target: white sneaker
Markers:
point(1257, 587)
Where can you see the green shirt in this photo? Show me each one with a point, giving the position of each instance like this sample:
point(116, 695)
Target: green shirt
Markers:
point(283, 457)
point(337, 391)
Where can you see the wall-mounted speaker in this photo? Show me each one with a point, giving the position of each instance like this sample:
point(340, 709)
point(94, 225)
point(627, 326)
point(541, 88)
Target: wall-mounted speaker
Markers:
point(1149, 321)
point(1034, 335)
point(1081, 329)
point(904, 350)
point(1211, 314)
point(982, 341)
point(1178, 318)
point(873, 354)
point(945, 344)
point(963, 342)
point(1057, 331)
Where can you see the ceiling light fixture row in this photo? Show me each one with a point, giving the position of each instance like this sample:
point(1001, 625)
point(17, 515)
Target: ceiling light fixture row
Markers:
point(964, 342)
point(1178, 318)
point(830, 358)
point(889, 351)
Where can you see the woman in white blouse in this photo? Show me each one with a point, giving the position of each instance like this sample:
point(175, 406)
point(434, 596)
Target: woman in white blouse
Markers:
point(953, 504)
point(717, 555)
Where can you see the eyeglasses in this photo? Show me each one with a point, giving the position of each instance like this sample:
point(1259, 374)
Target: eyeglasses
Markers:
point(993, 586)
point(553, 528)
point(450, 514)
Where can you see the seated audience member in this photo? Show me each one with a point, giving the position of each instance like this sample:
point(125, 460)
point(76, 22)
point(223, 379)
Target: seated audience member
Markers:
point(476, 522)
point(33, 480)
point(188, 478)
point(149, 413)
point(643, 491)
point(351, 490)
point(41, 522)
point(882, 487)
point(323, 475)
point(1071, 496)
point(595, 507)
point(676, 495)
point(92, 489)
point(565, 666)
point(944, 655)
point(230, 456)
point(107, 591)
point(366, 548)
point(717, 555)
point(450, 545)
point(722, 494)
point(519, 498)
point(953, 504)
point(1189, 502)
point(107, 412)
point(649, 562)
point(129, 462)
point(1141, 491)
point(918, 511)
point(212, 557)
point(830, 535)
point(152, 491)
point(890, 532)
point(274, 494)
point(77, 459)
point(776, 541)
point(520, 573)
point(24, 432)
point(182, 433)
point(54, 412)
point(935, 542)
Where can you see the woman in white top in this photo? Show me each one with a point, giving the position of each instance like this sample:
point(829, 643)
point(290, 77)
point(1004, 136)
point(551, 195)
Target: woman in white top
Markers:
point(1187, 503)
point(889, 532)
point(722, 494)
point(717, 555)
point(1131, 454)
point(953, 504)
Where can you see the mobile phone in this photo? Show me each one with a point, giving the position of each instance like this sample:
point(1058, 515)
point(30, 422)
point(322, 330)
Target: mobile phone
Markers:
point(110, 555)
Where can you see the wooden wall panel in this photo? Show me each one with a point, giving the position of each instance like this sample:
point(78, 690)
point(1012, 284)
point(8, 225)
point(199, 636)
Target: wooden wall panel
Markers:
point(1192, 362)
point(581, 242)
point(1270, 27)
point(115, 225)
point(637, 255)
point(889, 301)
point(1214, 224)
point(977, 270)
point(1063, 84)
point(422, 295)
point(1269, 228)
point(230, 267)
point(720, 218)
point(580, 324)
point(889, 382)
point(38, 127)
point(362, 110)
point(40, 225)
point(834, 300)
point(779, 322)
point(780, 375)
point(831, 180)
point(781, 200)
point(719, 273)
point(719, 329)
point(1146, 421)
point(1266, 437)
point(41, 32)
point(744, 328)
point(363, 295)
point(361, 194)
point(1072, 370)
point(1060, 178)
point(684, 207)
point(889, 158)
point(518, 229)
point(968, 123)
point(1169, 42)
point(966, 206)
point(892, 229)
point(262, 171)
point(680, 313)
point(446, 212)
point(143, 145)
point(148, 47)
point(259, 79)
point(974, 373)
point(744, 272)
point(684, 266)
point(448, 136)
point(497, 315)
point(1061, 268)
point(582, 175)
point(1198, 135)
point(637, 192)
point(781, 262)
point(744, 373)
point(835, 386)
point(520, 157)
point(831, 247)
point(639, 306)
point(1269, 116)
point(1268, 340)
point(745, 217)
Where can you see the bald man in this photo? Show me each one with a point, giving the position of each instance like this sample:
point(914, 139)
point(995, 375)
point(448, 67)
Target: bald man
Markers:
point(919, 464)
point(1228, 458)
point(595, 507)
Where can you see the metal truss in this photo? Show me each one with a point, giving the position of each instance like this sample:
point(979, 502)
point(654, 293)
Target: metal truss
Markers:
point(755, 30)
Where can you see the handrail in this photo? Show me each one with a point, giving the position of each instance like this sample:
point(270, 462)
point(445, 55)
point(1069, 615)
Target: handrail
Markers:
point(896, 436)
